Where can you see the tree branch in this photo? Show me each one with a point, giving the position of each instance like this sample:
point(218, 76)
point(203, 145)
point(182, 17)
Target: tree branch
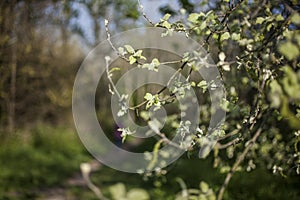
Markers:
point(237, 163)
point(144, 14)
point(231, 143)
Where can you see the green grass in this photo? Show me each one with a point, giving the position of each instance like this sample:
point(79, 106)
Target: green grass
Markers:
point(44, 157)
point(38, 158)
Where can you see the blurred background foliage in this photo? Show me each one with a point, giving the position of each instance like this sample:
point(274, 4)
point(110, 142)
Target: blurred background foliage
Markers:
point(42, 44)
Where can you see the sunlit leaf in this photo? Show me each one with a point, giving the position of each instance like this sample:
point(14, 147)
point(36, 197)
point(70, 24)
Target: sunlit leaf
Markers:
point(259, 20)
point(225, 36)
point(289, 50)
point(129, 49)
point(132, 59)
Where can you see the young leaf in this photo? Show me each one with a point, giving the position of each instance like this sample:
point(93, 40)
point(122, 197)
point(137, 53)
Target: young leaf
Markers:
point(279, 18)
point(148, 96)
point(166, 17)
point(132, 59)
point(225, 36)
point(155, 62)
point(203, 25)
point(114, 69)
point(193, 17)
point(138, 53)
point(289, 50)
point(204, 186)
point(296, 18)
point(259, 20)
point(202, 84)
point(122, 51)
point(235, 36)
point(166, 24)
point(129, 49)
point(137, 194)
point(117, 191)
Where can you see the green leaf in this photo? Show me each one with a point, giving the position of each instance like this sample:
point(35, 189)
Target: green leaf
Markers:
point(225, 36)
point(117, 191)
point(138, 53)
point(269, 27)
point(202, 84)
point(296, 18)
point(193, 17)
point(259, 20)
point(224, 169)
point(204, 151)
point(146, 65)
point(150, 67)
point(137, 194)
point(125, 132)
point(203, 25)
point(148, 96)
point(166, 17)
point(166, 24)
point(201, 197)
point(289, 50)
point(129, 49)
point(114, 69)
point(235, 36)
point(132, 59)
point(225, 105)
point(122, 51)
point(279, 18)
point(145, 115)
point(155, 62)
point(204, 186)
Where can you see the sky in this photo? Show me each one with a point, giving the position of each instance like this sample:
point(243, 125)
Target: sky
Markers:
point(151, 8)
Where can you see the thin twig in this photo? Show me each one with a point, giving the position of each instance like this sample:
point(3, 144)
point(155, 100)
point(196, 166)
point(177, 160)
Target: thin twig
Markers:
point(167, 141)
point(171, 62)
point(124, 57)
point(144, 14)
point(85, 171)
point(111, 44)
point(237, 163)
point(234, 132)
point(109, 77)
point(231, 143)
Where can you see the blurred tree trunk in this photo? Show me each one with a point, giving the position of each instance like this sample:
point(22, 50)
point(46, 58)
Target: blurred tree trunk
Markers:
point(13, 64)
point(12, 99)
point(9, 62)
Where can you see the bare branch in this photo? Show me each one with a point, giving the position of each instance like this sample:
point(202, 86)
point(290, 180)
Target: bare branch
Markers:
point(237, 163)
point(231, 143)
point(85, 171)
point(144, 14)
point(107, 59)
point(111, 44)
